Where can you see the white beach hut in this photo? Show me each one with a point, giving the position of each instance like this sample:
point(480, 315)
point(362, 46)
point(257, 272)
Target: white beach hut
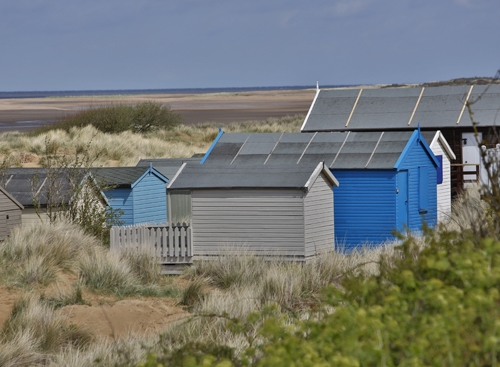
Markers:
point(445, 156)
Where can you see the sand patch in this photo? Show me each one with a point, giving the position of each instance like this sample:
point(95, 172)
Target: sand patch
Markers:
point(125, 317)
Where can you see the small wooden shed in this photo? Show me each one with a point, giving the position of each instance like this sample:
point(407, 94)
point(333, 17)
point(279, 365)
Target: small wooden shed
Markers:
point(10, 213)
point(285, 211)
point(387, 179)
point(139, 192)
point(179, 203)
point(45, 192)
point(445, 156)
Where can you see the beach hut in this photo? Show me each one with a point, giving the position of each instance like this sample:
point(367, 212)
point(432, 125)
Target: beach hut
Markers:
point(284, 211)
point(434, 108)
point(445, 156)
point(138, 192)
point(10, 213)
point(179, 203)
point(44, 193)
point(387, 179)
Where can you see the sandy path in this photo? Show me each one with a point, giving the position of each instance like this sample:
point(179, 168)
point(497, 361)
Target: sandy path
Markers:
point(27, 113)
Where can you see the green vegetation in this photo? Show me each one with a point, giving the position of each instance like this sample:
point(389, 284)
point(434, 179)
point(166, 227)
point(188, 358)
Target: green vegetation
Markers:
point(140, 118)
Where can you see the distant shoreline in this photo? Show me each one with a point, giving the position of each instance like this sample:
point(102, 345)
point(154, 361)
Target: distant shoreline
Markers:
point(219, 106)
point(129, 92)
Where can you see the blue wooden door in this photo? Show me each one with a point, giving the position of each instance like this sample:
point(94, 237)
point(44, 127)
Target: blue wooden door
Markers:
point(402, 199)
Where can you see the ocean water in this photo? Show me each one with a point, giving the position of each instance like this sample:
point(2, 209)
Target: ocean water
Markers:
point(70, 93)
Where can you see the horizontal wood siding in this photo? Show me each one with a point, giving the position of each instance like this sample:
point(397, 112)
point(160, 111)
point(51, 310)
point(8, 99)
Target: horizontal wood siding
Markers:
point(418, 157)
point(122, 198)
point(150, 200)
point(10, 216)
point(10, 219)
point(318, 217)
point(365, 207)
point(444, 188)
point(6, 203)
point(258, 221)
point(29, 217)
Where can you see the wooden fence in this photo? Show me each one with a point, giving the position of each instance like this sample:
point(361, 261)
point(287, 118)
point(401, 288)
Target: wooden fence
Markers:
point(171, 244)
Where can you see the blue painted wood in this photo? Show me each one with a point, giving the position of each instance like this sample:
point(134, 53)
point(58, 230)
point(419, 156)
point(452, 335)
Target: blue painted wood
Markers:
point(418, 156)
point(440, 169)
point(150, 200)
point(402, 200)
point(365, 207)
point(122, 198)
point(144, 202)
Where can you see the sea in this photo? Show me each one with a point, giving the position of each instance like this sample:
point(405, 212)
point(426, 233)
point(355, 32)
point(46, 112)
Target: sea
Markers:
point(112, 92)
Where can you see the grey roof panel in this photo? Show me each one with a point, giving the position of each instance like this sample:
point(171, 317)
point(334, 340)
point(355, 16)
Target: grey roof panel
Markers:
point(290, 148)
point(168, 167)
point(283, 159)
point(250, 159)
point(397, 136)
point(351, 161)
point(332, 107)
point(200, 177)
point(391, 108)
point(257, 148)
point(390, 147)
point(485, 104)
point(383, 160)
point(119, 176)
point(312, 158)
point(233, 138)
point(440, 106)
point(25, 183)
point(226, 148)
point(296, 138)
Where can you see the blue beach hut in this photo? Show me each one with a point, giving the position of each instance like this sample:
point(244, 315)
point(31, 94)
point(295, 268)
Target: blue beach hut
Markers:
point(140, 192)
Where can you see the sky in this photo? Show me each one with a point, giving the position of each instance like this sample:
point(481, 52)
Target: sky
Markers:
point(48, 45)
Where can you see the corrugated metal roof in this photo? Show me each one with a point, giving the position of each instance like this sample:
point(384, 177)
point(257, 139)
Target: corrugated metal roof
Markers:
point(386, 109)
point(119, 176)
point(27, 184)
point(166, 166)
point(354, 150)
point(197, 176)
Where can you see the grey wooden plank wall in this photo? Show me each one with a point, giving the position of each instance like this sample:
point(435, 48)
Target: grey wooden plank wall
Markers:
point(261, 221)
point(318, 215)
point(10, 216)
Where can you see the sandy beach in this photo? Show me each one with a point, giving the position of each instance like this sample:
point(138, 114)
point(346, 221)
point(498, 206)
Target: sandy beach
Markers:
point(23, 114)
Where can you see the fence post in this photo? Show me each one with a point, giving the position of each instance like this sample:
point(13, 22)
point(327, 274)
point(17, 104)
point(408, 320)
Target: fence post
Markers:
point(190, 242)
point(112, 243)
point(171, 248)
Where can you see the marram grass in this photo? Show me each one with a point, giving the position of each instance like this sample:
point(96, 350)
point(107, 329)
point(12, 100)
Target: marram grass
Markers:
point(127, 148)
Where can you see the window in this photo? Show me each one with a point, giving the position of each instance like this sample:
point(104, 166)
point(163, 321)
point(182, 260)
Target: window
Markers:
point(439, 170)
point(423, 189)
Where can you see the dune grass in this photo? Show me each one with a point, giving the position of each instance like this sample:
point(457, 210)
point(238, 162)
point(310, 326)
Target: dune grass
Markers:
point(127, 148)
point(35, 255)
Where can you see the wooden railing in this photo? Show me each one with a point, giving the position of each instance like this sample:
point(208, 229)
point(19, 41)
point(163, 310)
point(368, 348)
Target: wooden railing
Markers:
point(459, 171)
point(170, 244)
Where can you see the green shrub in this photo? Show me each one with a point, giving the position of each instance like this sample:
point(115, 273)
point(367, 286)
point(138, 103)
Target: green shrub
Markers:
point(140, 118)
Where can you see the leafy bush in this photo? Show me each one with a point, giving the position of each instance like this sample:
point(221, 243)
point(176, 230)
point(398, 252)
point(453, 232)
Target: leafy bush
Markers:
point(140, 118)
